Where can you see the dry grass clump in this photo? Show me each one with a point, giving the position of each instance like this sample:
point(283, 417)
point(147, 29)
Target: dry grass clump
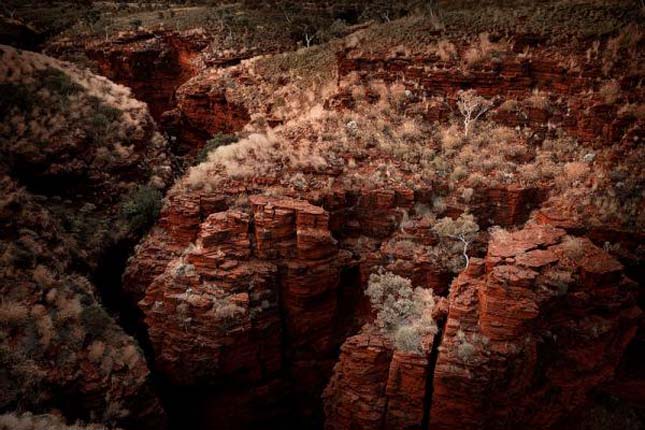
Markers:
point(253, 156)
point(385, 137)
point(376, 133)
point(610, 92)
point(12, 313)
point(60, 209)
point(558, 22)
point(69, 318)
point(622, 50)
point(483, 50)
point(607, 190)
point(302, 66)
point(415, 33)
point(446, 50)
point(538, 100)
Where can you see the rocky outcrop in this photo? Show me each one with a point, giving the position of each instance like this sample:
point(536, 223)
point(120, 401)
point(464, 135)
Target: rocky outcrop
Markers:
point(375, 386)
point(618, 241)
point(253, 300)
point(543, 320)
point(203, 109)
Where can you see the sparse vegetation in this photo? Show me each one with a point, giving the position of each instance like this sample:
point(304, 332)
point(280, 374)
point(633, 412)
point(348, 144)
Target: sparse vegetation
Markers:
point(58, 82)
point(141, 207)
point(469, 345)
point(380, 148)
point(72, 145)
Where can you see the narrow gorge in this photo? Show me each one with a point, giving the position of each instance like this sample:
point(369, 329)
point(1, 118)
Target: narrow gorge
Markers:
point(322, 215)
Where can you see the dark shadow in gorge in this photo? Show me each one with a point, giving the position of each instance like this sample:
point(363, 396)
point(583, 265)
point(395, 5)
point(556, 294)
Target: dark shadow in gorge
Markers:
point(432, 363)
point(280, 401)
point(108, 281)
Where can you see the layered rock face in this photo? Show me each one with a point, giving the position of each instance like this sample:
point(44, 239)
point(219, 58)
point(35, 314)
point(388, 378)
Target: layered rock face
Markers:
point(541, 321)
point(375, 386)
point(290, 264)
point(203, 109)
point(264, 293)
point(531, 330)
point(515, 79)
point(242, 283)
point(153, 65)
point(253, 301)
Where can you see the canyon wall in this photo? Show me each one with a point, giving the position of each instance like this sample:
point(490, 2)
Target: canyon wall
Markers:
point(74, 187)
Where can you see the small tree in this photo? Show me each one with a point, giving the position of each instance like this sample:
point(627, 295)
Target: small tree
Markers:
point(463, 229)
point(471, 106)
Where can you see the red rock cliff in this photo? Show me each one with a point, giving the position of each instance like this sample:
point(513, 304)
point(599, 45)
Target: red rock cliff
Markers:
point(542, 320)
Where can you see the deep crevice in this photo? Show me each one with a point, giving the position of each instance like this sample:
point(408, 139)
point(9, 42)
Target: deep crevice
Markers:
point(432, 362)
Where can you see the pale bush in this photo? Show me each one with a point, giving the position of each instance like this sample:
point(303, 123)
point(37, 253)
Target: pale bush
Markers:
point(467, 194)
point(404, 314)
point(464, 229)
point(482, 50)
point(573, 247)
point(68, 308)
point(474, 56)
point(472, 107)
point(45, 329)
point(469, 345)
point(130, 355)
point(95, 351)
point(465, 349)
point(576, 171)
point(451, 138)
point(610, 92)
point(538, 100)
point(446, 50)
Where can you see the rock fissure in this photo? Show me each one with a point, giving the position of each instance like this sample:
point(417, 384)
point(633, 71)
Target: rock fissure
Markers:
point(432, 364)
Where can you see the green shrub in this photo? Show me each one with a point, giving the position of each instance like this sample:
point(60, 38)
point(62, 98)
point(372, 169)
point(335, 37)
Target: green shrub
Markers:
point(58, 82)
point(101, 119)
point(220, 139)
point(99, 122)
point(141, 208)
